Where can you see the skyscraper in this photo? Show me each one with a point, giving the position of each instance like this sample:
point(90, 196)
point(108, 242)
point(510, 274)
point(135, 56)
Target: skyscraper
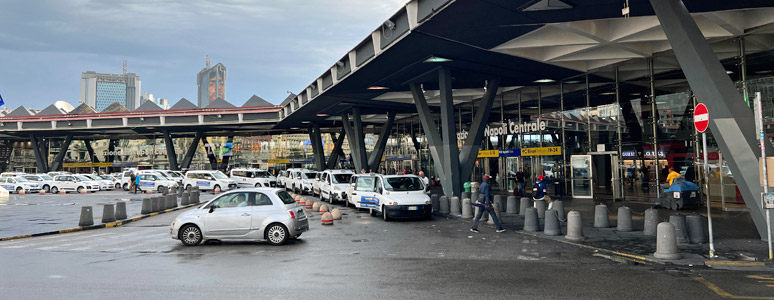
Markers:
point(211, 83)
point(100, 90)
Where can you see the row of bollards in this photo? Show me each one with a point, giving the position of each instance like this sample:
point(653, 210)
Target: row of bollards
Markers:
point(110, 213)
point(167, 200)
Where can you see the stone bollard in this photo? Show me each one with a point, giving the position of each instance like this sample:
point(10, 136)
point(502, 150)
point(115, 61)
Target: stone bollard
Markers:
point(434, 200)
point(309, 205)
point(87, 216)
point(149, 191)
point(327, 218)
point(574, 227)
point(681, 234)
point(510, 207)
point(171, 201)
point(666, 242)
point(163, 190)
point(496, 209)
point(624, 219)
point(467, 209)
point(696, 233)
point(84, 192)
point(443, 202)
point(531, 222)
point(323, 208)
point(120, 210)
point(540, 205)
point(465, 195)
point(558, 207)
point(316, 206)
point(62, 192)
point(156, 204)
point(454, 207)
point(301, 201)
point(189, 188)
point(551, 226)
point(147, 206)
point(336, 213)
point(42, 192)
point(108, 213)
point(500, 203)
point(180, 191)
point(185, 199)
point(601, 219)
point(651, 222)
point(525, 202)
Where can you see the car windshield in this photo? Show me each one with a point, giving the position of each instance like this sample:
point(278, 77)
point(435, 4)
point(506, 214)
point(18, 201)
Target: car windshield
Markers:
point(310, 175)
point(107, 177)
point(46, 177)
point(365, 184)
point(285, 197)
point(262, 174)
point(403, 184)
point(160, 175)
point(81, 177)
point(219, 175)
point(21, 179)
point(341, 178)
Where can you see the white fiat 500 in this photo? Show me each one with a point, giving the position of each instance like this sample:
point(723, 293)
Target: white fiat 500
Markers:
point(251, 214)
point(394, 196)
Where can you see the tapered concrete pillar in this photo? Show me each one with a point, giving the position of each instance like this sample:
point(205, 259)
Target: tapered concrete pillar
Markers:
point(601, 218)
point(666, 242)
point(531, 222)
point(651, 222)
point(624, 219)
point(121, 210)
point(87, 216)
point(574, 227)
point(108, 213)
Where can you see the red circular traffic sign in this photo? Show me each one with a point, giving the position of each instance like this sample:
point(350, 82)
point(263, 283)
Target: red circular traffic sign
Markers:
point(701, 117)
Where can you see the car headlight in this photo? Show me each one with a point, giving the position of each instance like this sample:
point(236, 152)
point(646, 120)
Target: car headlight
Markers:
point(427, 202)
point(395, 203)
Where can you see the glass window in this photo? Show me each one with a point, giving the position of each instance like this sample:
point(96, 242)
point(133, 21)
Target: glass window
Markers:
point(341, 178)
point(310, 175)
point(366, 184)
point(262, 174)
point(262, 199)
point(285, 197)
point(219, 175)
point(2, 179)
point(408, 183)
point(231, 200)
point(21, 179)
point(46, 177)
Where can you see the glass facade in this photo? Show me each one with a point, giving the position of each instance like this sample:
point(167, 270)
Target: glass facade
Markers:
point(110, 92)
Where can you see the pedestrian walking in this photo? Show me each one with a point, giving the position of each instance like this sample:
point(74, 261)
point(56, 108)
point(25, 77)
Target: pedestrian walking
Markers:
point(132, 178)
point(425, 181)
point(137, 184)
point(486, 204)
point(520, 181)
point(539, 190)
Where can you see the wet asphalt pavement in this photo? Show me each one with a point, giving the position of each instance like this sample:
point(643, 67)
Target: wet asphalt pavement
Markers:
point(359, 257)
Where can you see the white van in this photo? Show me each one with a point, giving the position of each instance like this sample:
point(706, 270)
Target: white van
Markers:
point(73, 183)
point(126, 178)
point(16, 184)
point(253, 178)
point(175, 176)
point(395, 196)
point(333, 185)
point(302, 181)
point(290, 180)
point(208, 180)
point(155, 181)
point(282, 176)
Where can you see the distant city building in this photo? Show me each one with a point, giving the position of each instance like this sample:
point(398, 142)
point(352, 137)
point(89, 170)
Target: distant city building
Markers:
point(161, 102)
point(100, 90)
point(211, 83)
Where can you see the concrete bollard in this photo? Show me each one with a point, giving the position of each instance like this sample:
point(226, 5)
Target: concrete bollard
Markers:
point(42, 192)
point(551, 226)
point(696, 233)
point(316, 206)
point(216, 190)
point(540, 205)
point(498, 199)
point(147, 206)
point(22, 192)
point(651, 222)
point(323, 208)
point(180, 191)
point(525, 202)
point(467, 209)
point(84, 191)
point(87, 216)
point(156, 204)
point(185, 199)
point(496, 209)
point(666, 242)
point(465, 195)
point(327, 218)
point(108, 213)
point(531, 222)
point(443, 202)
point(574, 227)
point(434, 199)
point(454, 206)
point(197, 196)
point(171, 201)
point(601, 219)
point(301, 201)
point(149, 191)
point(474, 197)
point(624, 219)
point(336, 214)
point(510, 207)
point(681, 233)
point(120, 210)
point(309, 205)
point(558, 207)
point(163, 190)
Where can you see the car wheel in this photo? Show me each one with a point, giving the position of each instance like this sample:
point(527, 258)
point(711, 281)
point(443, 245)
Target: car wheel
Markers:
point(160, 189)
point(277, 234)
point(372, 212)
point(80, 189)
point(118, 185)
point(674, 205)
point(190, 235)
point(55, 190)
point(47, 188)
point(384, 215)
point(126, 186)
point(257, 185)
point(19, 189)
point(188, 187)
point(216, 188)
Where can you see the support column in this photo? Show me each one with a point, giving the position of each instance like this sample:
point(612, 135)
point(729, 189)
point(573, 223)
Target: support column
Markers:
point(171, 154)
point(111, 149)
point(376, 155)
point(359, 136)
point(430, 128)
point(224, 163)
point(654, 125)
point(315, 136)
point(476, 135)
point(59, 158)
point(333, 159)
point(732, 125)
point(41, 161)
point(210, 154)
point(191, 151)
point(90, 149)
point(354, 145)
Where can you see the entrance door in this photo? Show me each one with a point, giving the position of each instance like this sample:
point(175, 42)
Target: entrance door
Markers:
point(606, 179)
point(581, 176)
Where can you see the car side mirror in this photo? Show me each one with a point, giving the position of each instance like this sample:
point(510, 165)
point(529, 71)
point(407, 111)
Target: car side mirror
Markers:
point(212, 208)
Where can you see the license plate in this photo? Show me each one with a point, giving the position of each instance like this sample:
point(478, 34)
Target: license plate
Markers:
point(412, 208)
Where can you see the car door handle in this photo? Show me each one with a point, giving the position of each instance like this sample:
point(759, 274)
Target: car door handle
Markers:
point(245, 215)
point(354, 194)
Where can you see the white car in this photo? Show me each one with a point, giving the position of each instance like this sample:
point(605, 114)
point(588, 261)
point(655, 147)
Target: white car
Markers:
point(208, 180)
point(350, 189)
point(44, 180)
point(154, 181)
point(293, 176)
point(395, 196)
point(176, 176)
point(333, 185)
point(104, 184)
point(73, 183)
point(281, 177)
point(316, 185)
point(126, 178)
point(253, 178)
point(252, 214)
point(17, 184)
point(305, 182)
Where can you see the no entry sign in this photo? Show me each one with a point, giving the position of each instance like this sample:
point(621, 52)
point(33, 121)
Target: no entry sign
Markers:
point(701, 117)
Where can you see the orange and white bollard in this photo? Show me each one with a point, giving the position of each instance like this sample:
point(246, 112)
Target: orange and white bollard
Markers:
point(216, 190)
point(22, 192)
point(149, 192)
point(62, 192)
point(327, 219)
point(83, 191)
point(42, 192)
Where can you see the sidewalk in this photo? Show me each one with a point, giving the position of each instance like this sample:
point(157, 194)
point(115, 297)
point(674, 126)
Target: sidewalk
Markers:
point(736, 240)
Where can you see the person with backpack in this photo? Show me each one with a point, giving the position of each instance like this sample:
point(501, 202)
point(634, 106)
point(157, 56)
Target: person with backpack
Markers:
point(486, 204)
point(539, 190)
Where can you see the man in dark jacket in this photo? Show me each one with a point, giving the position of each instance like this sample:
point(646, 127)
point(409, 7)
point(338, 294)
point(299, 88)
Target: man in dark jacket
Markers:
point(484, 189)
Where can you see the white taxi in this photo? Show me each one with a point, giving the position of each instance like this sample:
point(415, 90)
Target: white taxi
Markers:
point(73, 183)
point(208, 180)
point(151, 181)
point(394, 196)
point(17, 184)
point(333, 185)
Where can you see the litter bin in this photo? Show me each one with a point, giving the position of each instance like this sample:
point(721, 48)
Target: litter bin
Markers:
point(681, 194)
point(474, 187)
point(466, 186)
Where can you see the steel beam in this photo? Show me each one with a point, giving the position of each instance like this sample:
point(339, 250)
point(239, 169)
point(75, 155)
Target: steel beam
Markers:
point(333, 159)
point(359, 138)
point(210, 154)
point(475, 136)
point(41, 161)
point(315, 136)
point(732, 124)
point(59, 158)
point(171, 154)
point(376, 155)
point(430, 128)
point(224, 162)
point(451, 166)
point(189, 154)
point(111, 148)
point(90, 149)
point(353, 144)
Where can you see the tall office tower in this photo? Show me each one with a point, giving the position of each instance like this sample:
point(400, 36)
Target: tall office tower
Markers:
point(211, 83)
point(100, 90)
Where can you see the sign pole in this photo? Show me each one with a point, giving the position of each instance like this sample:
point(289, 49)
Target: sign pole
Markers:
point(764, 197)
point(701, 122)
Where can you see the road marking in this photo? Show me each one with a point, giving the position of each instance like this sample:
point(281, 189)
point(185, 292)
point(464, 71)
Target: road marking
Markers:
point(722, 293)
point(734, 263)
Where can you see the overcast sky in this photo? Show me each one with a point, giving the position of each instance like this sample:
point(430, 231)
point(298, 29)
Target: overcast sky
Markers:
point(268, 46)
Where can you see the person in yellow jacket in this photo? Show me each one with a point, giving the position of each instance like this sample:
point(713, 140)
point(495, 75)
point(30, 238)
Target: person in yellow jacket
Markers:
point(672, 175)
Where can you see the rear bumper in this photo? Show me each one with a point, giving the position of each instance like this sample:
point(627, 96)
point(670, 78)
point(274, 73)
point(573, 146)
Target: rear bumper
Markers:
point(298, 227)
point(403, 211)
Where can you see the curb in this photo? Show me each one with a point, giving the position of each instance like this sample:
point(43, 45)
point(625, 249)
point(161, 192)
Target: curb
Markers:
point(104, 225)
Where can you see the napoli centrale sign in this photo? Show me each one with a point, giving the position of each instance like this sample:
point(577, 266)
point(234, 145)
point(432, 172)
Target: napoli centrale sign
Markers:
point(508, 128)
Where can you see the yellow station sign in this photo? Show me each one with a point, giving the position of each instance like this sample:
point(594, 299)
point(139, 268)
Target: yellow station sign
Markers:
point(488, 153)
point(279, 161)
point(542, 151)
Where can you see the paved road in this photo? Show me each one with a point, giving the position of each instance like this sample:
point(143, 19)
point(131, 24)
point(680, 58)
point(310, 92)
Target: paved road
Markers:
point(360, 257)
